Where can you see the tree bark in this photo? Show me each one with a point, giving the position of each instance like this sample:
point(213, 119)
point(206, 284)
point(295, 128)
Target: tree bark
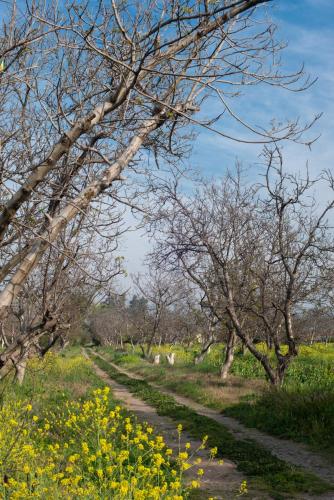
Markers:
point(80, 203)
point(156, 360)
point(20, 370)
point(229, 354)
point(96, 115)
point(204, 351)
point(20, 347)
point(272, 376)
point(171, 358)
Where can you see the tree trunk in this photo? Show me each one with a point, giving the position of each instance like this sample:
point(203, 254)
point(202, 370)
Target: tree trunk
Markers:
point(156, 360)
point(4, 341)
point(149, 347)
point(204, 351)
point(264, 360)
point(229, 354)
point(171, 358)
point(269, 342)
point(20, 370)
point(22, 345)
point(132, 345)
point(80, 203)
point(289, 329)
point(51, 343)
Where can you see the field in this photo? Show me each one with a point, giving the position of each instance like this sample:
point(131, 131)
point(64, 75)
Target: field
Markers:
point(63, 434)
point(303, 410)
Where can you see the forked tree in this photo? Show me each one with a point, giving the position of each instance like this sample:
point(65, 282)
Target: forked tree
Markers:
point(89, 89)
point(162, 293)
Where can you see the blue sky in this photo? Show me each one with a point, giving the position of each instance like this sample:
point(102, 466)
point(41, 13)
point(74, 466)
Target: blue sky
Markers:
point(308, 27)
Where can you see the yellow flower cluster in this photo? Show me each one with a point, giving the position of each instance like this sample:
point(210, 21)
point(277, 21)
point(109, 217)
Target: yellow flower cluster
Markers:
point(86, 449)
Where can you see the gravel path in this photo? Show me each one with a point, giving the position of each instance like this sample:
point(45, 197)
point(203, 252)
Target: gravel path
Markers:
point(221, 481)
point(289, 451)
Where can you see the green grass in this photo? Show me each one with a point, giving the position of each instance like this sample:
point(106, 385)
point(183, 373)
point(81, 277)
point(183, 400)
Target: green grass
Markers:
point(303, 410)
point(301, 415)
point(266, 471)
point(174, 379)
point(51, 383)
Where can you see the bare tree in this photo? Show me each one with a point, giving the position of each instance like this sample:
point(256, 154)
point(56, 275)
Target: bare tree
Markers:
point(43, 311)
point(109, 322)
point(87, 91)
point(256, 254)
point(161, 294)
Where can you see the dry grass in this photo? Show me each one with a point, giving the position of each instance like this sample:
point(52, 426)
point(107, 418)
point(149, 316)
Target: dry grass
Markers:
point(77, 389)
point(232, 391)
point(206, 388)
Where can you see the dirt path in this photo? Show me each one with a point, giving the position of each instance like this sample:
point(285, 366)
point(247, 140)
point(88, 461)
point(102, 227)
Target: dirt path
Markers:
point(294, 453)
point(221, 481)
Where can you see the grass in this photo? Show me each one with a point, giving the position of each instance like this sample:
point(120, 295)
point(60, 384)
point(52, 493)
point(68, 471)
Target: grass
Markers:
point(265, 471)
point(303, 410)
point(48, 383)
point(188, 380)
point(301, 415)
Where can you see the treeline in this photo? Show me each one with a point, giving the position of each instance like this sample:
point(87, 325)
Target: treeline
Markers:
point(257, 257)
point(98, 112)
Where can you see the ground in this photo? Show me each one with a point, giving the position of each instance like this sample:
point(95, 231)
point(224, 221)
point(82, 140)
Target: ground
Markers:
point(296, 454)
point(303, 410)
point(65, 393)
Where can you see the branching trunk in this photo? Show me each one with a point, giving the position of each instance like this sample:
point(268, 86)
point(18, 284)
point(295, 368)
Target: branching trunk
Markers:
point(229, 353)
point(20, 348)
point(114, 100)
point(80, 203)
point(204, 351)
point(20, 370)
point(171, 358)
point(264, 360)
point(4, 340)
point(50, 344)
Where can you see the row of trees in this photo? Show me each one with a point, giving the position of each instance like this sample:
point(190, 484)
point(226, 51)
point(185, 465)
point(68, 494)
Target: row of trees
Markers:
point(258, 254)
point(88, 90)
point(160, 312)
point(237, 263)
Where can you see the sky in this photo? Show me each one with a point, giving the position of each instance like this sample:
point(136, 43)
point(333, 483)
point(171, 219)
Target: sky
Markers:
point(308, 28)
